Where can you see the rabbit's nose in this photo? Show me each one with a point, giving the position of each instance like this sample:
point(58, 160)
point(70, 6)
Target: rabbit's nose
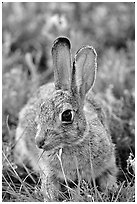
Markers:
point(40, 142)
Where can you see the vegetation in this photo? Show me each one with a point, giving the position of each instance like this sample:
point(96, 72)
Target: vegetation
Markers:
point(28, 32)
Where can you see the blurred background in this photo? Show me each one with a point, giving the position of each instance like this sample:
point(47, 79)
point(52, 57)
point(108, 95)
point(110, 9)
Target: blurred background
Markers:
point(29, 30)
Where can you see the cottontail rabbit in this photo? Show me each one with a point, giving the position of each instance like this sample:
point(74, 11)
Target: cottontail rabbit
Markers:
point(62, 130)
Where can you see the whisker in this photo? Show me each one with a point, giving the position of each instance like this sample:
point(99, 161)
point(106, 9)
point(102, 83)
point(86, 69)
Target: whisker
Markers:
point(40, 156)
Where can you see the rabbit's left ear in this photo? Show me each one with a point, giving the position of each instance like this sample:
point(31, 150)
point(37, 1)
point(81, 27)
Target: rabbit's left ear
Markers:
point(85, 66)
point(61, 55)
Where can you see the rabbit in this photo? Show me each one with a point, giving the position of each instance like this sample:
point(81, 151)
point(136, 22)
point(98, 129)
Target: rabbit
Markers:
point(63, 131)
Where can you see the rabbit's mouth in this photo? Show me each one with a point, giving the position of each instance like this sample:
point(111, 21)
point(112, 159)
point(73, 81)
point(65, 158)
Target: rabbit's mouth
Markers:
point(48, 147)
point(52, 146)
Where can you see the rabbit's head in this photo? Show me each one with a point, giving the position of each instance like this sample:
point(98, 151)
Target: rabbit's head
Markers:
point(61, 120)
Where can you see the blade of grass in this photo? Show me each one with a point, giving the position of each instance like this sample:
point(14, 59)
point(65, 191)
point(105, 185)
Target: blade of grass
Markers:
point(59, 158)
point(29, 173)
point(10, 179)
point(119, 191)
point(18, 176)
point(8, 183)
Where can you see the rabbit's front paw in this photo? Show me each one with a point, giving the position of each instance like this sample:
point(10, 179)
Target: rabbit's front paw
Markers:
point(107, 181)
point(49, 188)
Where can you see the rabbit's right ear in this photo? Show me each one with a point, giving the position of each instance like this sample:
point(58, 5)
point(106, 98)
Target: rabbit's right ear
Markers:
point(62, 63)
point(84, 70)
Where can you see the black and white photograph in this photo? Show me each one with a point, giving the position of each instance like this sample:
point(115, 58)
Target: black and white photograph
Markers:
point(68, 101)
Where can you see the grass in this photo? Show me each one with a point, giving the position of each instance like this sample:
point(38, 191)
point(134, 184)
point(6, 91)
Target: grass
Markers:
point(21, 184)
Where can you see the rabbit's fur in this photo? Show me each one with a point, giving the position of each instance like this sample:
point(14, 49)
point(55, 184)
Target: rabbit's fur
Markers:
point(72, 145)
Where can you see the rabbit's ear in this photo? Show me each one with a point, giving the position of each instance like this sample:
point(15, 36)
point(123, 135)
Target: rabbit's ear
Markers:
point(85, 66)
point(62, 63)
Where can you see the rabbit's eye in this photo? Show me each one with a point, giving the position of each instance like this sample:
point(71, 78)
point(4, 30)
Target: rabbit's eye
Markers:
point(67, 116)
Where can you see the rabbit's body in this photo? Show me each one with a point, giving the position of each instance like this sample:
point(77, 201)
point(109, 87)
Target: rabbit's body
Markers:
point(60, 123)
